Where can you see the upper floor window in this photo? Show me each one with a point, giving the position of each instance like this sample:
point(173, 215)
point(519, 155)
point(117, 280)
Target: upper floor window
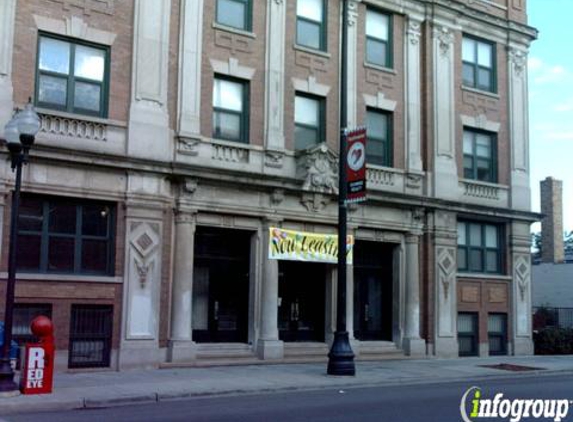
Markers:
point(72, 76)
point(378, 40)
point(235, 13)
point(230, 109)
point(309, 121)
point(65, 236)
point(379, 132)
point(311, 24)
point(478, 64)
point(479, 156)
point(479, 247)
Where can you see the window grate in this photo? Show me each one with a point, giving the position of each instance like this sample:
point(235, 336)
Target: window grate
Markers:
point(90, 336)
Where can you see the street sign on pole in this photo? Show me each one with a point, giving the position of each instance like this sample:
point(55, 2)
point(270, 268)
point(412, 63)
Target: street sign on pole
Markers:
point(356, 165)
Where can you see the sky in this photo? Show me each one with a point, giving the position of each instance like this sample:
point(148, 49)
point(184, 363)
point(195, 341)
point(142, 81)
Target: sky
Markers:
point(551, 100)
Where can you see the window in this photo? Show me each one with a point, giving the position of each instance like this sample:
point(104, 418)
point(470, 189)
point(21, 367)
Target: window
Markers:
point(90, 336)
point(468, 334)
point(497, 334)
point(378, 42)
point(235, 13)
point(479, 248)
point(480, 156)
point(72, 76)
point(308, 120)
point(65, 236)
point(379, 132)
point(310, 24)
point(230, 110)
point(24, 313)
point(478, 59)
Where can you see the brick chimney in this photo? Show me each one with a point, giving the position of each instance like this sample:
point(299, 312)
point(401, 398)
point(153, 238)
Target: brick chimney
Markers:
point(552, 222)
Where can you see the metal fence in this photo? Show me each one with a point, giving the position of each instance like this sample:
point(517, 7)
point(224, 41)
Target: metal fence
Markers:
point(544, 317)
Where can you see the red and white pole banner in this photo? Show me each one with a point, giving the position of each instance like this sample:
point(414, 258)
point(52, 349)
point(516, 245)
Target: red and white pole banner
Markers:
point(356, 165)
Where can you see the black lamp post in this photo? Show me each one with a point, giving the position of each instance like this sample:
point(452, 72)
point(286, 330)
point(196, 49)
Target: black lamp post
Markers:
point(341, 357)
point(20, 133)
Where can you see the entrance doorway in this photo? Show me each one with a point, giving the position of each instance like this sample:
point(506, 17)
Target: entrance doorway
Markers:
point(373, 291)
point(221, 285)
point(301, 301)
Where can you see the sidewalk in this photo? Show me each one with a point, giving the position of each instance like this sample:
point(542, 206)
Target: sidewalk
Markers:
point(99, 389)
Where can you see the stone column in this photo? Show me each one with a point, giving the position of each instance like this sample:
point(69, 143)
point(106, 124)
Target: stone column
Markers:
point(191, 47)
point(519, 135)
point(7, 21)
point(413, 345)
point(445, 180)
point(149, 133)
point(181, 346)
point(269, 346)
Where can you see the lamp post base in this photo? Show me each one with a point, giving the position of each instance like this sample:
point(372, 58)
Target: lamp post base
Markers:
point(7, 376)
point(341, 357)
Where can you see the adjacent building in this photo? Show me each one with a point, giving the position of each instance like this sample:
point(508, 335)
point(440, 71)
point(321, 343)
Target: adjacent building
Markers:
point(177, 133)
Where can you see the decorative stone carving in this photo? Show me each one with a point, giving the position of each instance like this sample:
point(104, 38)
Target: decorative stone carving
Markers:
point(418, 215)
point(143, 279)
point(314, 202)
point(445, 38)
point(353, 12)
point(277, 196)
point(189, 186)
point(446, 267)
point(522, 274)
point(414, 32)
point(518, 59)
point(188, 146)
point(274, 159)
point(230, 153)
point(319, 170)
point(414, 181)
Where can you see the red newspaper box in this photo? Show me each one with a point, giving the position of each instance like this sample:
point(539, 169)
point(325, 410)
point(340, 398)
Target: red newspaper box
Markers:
point(38, 366)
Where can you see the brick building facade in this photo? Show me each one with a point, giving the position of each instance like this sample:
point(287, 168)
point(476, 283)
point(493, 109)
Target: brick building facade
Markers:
point(175, 134)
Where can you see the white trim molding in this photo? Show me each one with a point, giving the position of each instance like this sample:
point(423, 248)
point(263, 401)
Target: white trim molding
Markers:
point(480, 122)
point(76, 27)
point(379, 101)
point(310, 86)
point(232, 68)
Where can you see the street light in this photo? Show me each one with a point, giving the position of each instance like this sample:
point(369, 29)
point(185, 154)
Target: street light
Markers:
point(20, 133)
point(341, 357)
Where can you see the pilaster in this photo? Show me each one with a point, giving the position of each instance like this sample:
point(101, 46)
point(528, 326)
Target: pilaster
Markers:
point(190, 51)
point(519, 124)
point(521, 269)
point(7, 22)
point(445, 270)
point(149, 133)
point(445, 180)
point(413, 91)
point(275, 83)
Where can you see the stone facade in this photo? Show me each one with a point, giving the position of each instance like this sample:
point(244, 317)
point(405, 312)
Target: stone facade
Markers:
point(552, 223)
point(178, 191)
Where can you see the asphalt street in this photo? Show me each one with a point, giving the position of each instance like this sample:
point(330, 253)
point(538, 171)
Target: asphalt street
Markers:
point(413, 403)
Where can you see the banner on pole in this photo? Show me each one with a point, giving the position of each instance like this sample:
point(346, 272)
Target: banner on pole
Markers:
point(310, 247)
point(356, 165)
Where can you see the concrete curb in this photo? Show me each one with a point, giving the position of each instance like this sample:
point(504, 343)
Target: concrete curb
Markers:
point(50, 404)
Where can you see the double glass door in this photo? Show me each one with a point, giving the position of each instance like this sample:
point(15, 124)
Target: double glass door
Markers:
point(301, 301)
point(221, 286)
